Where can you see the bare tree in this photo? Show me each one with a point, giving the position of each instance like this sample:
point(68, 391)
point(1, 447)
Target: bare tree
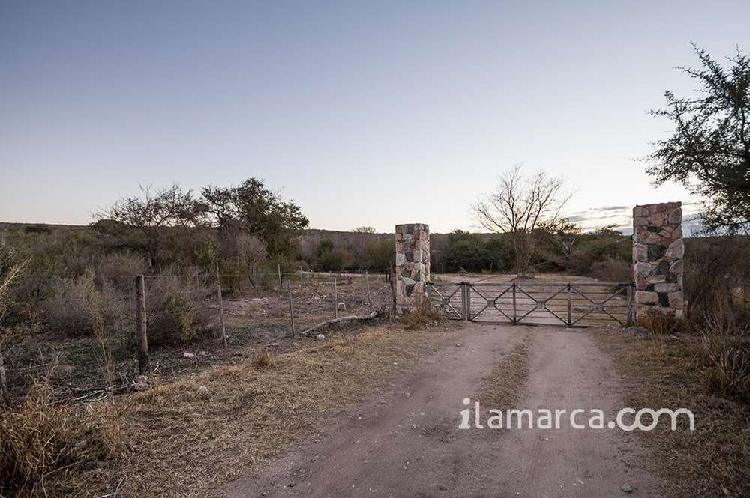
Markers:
point(519, 207)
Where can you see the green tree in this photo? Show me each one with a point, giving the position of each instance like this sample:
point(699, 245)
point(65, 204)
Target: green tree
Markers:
point(332, 258)
point(151, 213)
point(253, 208)
point(379, 255)
point(467, 251)
point(709, 149)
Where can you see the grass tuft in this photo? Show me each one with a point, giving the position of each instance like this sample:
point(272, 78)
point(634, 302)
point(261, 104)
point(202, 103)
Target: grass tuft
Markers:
point(263, 360)
point(40, 437)
point(421, 316)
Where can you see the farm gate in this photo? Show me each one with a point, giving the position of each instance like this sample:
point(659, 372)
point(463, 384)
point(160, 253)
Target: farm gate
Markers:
point(572, 304)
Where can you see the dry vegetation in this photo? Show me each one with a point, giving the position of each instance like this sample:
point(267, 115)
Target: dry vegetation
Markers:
point(501, 389)
point(678, 371)
point(703, 364)
point(421, 317)
point(184, 439)
point(43, 439)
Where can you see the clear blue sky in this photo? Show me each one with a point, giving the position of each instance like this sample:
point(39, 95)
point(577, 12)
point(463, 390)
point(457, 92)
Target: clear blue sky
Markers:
point(365, 113)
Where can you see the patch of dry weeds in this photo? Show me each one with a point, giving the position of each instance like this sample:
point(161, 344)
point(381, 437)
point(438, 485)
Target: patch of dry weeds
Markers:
point(667, 372)
point(502, 388)
point(185, 442)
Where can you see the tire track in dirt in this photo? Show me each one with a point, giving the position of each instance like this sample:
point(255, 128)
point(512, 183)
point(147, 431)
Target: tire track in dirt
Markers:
point(405, 441)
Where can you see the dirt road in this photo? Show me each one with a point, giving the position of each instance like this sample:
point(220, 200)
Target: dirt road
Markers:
point(405, 441)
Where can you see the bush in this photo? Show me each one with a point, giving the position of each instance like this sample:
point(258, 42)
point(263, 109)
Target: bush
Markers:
point(263, 360)
point(728, 357)
point(40, 436)
point(716, 281)
point(335, 260)
point(175, 311)
point(76, 306)
point(661, 323)
point(72, 306)
point(119, 269)
point(612, 270)
point(598, 247)
point(421, 316)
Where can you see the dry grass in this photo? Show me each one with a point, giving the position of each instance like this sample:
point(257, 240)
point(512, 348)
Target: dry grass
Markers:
point(40, 438)
point(670, 372)
point(184, 443)
point(727, 351)
point(263, 359)
point(660, 323)
point(421, 317)
point(502, 388)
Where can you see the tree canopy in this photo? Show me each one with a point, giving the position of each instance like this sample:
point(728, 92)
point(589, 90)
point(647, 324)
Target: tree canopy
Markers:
point(257, 210)
point(709, 149)
point(520, 206)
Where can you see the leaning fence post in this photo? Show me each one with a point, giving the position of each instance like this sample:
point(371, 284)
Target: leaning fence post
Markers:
point(221, 308)
point(278, 270)
point(335, 300)
point(140, 321)
point(291, 306)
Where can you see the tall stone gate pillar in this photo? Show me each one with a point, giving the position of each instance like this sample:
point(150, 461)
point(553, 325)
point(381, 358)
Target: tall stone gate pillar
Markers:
point(412, 264)
point(657, 258)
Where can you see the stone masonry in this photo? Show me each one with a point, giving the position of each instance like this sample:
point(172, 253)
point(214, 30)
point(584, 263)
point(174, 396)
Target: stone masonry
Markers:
point(657, 258)
point(412, 264)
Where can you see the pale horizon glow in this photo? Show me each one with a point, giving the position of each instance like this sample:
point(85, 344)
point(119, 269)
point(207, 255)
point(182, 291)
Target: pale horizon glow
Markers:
point(364, 114)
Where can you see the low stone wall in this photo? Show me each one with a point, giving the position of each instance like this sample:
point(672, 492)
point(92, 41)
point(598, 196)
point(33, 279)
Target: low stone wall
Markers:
point(658, 252)
point(412, 264)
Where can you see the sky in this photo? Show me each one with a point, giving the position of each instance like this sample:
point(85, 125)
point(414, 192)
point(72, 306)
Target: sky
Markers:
point(363, 113)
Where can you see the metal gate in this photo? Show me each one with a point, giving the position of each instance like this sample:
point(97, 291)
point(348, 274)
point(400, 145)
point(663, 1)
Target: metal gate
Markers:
point(536, 302)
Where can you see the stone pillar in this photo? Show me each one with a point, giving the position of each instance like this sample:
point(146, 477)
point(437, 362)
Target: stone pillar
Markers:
point(412, 264)
point(657, 258)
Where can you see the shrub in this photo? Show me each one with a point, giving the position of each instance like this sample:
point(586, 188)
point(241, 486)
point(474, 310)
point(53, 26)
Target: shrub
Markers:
point(597, 247)
point(40, 436)
point(119, 269)
point(728, 357)
point(661, 323)
point(335, 260)
point(175, 311)
point(71, 307)
point(612, 270)
point(717, 278)
point(263, 360)
point(421, 316)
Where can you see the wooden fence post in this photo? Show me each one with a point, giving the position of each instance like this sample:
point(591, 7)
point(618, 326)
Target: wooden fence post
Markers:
point(335, 300)
point(278, 270)
point(367, 285)
point(221, 307)
point(141, 321)
point(291, 306)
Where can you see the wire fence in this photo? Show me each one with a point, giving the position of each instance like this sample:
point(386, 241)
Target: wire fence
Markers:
point(235, 308)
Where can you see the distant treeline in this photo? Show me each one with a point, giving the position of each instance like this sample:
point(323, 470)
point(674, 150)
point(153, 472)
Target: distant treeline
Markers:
point(319, 250)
